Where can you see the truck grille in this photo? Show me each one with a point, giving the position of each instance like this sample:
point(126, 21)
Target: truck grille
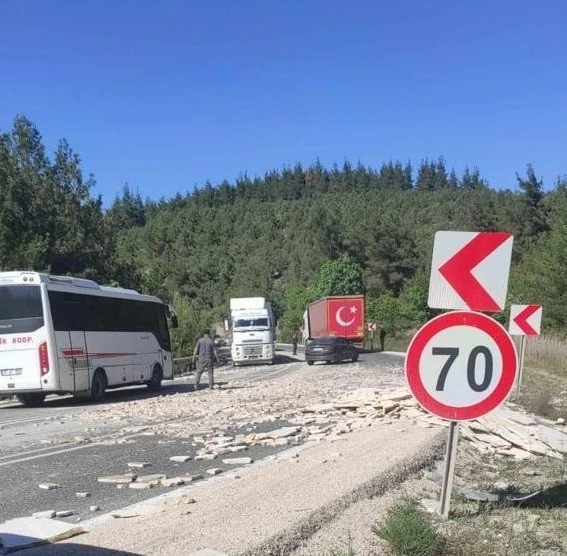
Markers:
point(252, 351)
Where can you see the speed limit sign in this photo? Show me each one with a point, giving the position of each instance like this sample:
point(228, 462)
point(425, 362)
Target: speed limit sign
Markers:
point(461, 365)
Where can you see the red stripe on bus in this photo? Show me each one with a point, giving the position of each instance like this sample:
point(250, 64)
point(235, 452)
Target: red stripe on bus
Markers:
point(72, 352)
point(109, 354)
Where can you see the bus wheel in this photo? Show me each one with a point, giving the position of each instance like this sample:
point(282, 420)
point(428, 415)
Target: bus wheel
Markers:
point(154, 385)
point(98, 386)
point(31, 400)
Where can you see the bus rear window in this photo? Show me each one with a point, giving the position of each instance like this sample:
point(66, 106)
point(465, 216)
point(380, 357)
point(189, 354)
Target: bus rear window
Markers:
point(20, 309)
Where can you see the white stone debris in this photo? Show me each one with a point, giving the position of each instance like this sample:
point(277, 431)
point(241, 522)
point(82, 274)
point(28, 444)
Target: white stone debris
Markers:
point(237, 461)
point(118, 479)
point(154, 479)
point(49, 514)
point(214, 471)
point(64, 513)
point(48, 486)
point(313, 411)
point(141, 486)
point(174, 481)
point(138, 464)
point(179, 459)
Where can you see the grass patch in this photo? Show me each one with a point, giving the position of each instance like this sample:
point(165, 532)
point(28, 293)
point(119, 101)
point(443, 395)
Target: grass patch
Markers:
point(542, 393)
point(408, 531)
point(547, 353)
point(397, 342)
point(504, 532)
point(506, 528)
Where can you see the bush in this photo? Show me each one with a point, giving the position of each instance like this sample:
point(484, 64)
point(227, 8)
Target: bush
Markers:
point(408, 531)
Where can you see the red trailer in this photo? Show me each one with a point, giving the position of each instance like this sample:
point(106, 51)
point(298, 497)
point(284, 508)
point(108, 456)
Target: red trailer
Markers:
point(339, 315)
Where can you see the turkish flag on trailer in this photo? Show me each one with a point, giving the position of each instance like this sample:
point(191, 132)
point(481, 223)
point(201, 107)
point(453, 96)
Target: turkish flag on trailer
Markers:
point(346, 317)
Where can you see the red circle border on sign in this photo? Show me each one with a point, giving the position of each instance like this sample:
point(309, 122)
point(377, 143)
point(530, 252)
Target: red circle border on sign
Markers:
point(462, 318)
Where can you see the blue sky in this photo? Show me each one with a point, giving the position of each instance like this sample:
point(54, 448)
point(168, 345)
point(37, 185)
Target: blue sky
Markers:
point(167, 94)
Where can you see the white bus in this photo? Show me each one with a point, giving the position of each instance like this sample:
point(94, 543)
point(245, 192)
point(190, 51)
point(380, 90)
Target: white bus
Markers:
point(60, 334)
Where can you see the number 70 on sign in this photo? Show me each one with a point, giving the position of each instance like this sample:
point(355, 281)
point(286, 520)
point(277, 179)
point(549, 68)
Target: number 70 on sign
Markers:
point(461, 365)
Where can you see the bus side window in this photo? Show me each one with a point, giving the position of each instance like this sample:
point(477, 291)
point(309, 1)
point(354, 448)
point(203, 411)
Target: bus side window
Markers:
point(97, 313)
point(144, 318)
point(68, 311)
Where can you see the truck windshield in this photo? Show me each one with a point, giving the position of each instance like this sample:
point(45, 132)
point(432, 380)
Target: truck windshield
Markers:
point(20, 309)
point(255, 322)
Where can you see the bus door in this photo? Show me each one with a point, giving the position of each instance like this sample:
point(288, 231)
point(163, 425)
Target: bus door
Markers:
point(80, 361)
point(68, 313)
point(73, 361)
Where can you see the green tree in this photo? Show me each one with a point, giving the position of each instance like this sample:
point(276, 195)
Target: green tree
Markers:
point(390, 255)
point(532, 214)
point(340, 277)
point(387, 311)
point(471, 179)
point(541, 275)
point(48, 219)
point(297, 297)
point(413, 300)
point(432, 176)
point(127, 211)
point(192, 320)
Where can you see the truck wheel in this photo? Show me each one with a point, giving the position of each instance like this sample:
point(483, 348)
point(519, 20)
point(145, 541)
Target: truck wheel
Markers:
point(31, 400)
point(310, 362)
point(98, 386)
point(154, 384)
point(355, 358)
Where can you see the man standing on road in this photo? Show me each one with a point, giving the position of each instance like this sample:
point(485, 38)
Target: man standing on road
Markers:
point(294, 342)
point(206, 354)
point(382, 338)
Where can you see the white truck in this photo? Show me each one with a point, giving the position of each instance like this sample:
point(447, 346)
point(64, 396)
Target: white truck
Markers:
point(252, 328)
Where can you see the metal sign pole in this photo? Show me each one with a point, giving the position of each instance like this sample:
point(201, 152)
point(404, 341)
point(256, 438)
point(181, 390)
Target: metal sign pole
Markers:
point(449, 473)
point(521, 364)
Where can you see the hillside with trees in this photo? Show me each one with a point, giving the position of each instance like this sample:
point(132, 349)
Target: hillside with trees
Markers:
point(292, 235)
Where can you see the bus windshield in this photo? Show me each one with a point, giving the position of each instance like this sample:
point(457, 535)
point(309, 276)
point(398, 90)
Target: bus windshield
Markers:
point(20, 309)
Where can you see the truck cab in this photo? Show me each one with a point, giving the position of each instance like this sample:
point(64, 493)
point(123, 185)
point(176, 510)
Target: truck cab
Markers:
point(253, 331)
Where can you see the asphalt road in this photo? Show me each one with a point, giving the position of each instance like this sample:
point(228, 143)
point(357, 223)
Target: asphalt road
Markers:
point(25, 461)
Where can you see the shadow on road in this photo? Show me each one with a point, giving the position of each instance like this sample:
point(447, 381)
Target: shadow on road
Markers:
point(281, 359)
point(69, 549)
point(111, 396)
point(140, 392)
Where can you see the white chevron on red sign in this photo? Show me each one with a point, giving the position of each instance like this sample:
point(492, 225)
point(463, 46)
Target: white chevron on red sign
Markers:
point(525, 320)
point(469, 270)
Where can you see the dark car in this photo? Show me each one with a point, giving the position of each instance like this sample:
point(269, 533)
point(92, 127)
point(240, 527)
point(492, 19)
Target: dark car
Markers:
point(330, 349)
